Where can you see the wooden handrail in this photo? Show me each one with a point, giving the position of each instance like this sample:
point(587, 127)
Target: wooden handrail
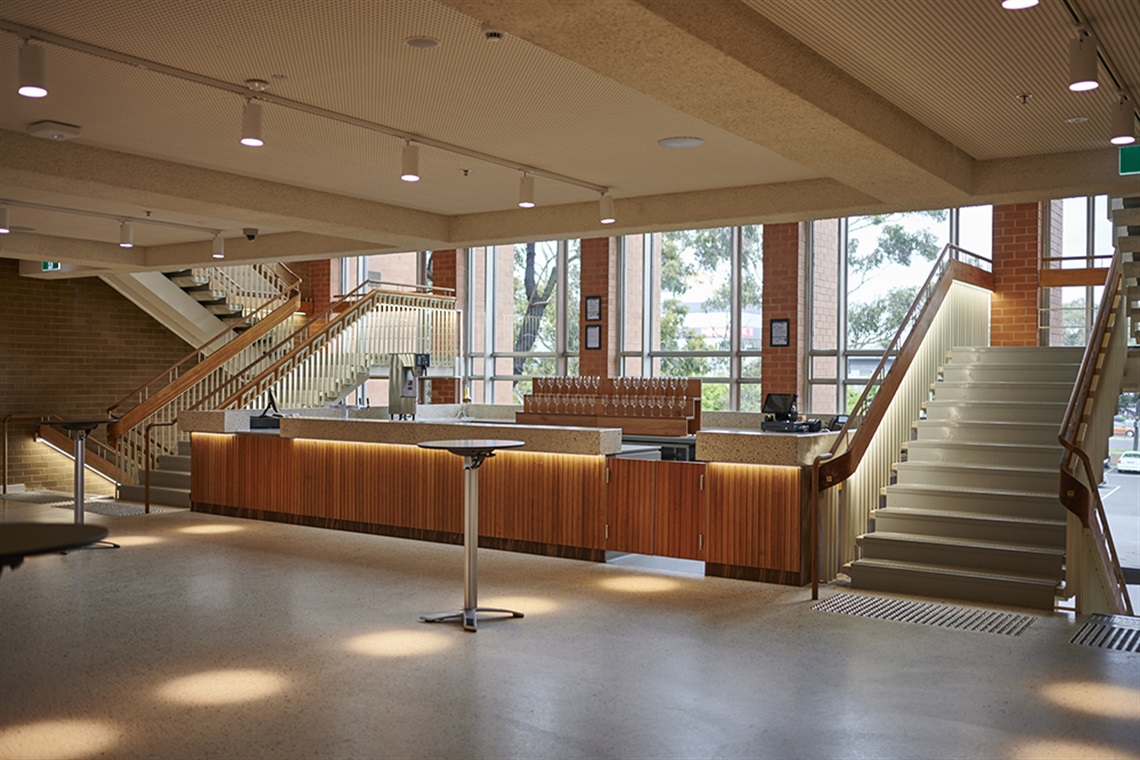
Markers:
point(202, 369)
point(1077, 497)
point(239, 327)
point(832, 468)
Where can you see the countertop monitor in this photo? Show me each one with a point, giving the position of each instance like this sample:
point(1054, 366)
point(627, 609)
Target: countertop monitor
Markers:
point(781, 405)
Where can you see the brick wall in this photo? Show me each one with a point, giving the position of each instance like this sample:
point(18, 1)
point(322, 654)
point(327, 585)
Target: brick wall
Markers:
point(70, 347)
point(316, 283)
point(447, 271)
point(1016, 251)
point(599, 263)
point(784, 258)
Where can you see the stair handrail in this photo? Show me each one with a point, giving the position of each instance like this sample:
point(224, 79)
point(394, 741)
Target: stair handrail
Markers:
point(172, 373)
point(832, 467)
point(318, 329)
point(173, 389)
point(1078, 498)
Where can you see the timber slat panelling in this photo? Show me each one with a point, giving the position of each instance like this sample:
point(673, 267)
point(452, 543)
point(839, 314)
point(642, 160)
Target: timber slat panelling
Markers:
point(630, 500)
point(754, 517)
point(680, 515)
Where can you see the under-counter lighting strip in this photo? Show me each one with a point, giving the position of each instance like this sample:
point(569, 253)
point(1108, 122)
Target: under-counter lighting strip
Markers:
point(243, 90)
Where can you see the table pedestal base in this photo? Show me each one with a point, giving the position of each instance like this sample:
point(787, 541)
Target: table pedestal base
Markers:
point(469, 618)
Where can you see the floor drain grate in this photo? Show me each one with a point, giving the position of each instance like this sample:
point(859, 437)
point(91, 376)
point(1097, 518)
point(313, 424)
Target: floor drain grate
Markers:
point(927, 613)
point(1110, 632)
point(37, 497)
point(115, 508)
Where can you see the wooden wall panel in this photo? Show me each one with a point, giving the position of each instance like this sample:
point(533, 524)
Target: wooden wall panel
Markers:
point(630, 500)
point(755, 518)
point(680, 516)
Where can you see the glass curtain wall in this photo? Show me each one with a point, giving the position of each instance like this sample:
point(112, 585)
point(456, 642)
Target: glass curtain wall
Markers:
point(1081, 233)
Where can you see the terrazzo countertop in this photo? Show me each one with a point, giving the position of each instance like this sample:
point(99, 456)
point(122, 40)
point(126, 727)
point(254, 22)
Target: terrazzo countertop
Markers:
point(538, 438)
point(757, 447)
point(234, 421)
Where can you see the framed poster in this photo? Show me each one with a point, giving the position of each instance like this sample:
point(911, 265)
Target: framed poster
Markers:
point(593, 308)
point(778, 332)
point(593, 337)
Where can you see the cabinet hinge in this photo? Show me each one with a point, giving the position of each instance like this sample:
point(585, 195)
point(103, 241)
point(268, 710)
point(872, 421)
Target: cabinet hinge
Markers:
point(607, 531)
point(702, 481)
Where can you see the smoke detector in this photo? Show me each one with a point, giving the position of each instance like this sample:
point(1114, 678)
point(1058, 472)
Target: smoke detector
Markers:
point(53, 130)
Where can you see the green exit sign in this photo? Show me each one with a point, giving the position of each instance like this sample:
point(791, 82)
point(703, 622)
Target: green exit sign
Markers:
point(50, 266)
point(1130, 160)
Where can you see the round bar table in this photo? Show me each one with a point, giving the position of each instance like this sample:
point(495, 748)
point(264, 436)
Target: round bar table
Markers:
point(474, 452)
point(23, 539)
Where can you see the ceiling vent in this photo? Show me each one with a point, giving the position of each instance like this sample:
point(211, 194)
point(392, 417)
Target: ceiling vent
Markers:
point(53, 130)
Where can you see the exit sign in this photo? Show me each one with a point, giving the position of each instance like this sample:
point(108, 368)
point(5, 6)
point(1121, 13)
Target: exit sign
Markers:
point(50, 266)
point(1130, 160)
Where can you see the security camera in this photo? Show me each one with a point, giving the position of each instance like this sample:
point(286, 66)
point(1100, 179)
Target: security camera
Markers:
point(490, 33)
point(250, 233)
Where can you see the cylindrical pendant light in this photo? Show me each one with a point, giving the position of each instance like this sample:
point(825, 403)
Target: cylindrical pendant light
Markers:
point(1082, 62)
point(526, 190)
point(251, 125)
point(33, 83)
point(1123, 122)
point(1017, 5)
point(410, 162)
point(4, 228)
point(126, 235)
point(219, 246)
point(607, 209)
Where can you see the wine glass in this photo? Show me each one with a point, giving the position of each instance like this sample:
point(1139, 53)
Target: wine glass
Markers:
point(660, 401)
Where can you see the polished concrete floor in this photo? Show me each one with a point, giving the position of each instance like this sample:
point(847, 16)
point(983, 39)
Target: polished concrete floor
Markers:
point(208, 637)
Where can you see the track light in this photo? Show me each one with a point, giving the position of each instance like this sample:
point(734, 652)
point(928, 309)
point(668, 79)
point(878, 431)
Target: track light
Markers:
point(1082, 62)
point(126, 235)
point(1123, 123)
point(33, 84)
point(219, 246)
point(410, 162)
point(251, 124)
point(4, 228)
point(1017, 5)
point(606, 208)
point(526, 190)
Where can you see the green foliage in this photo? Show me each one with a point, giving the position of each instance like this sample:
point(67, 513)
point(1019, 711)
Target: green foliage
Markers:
point(874, 324)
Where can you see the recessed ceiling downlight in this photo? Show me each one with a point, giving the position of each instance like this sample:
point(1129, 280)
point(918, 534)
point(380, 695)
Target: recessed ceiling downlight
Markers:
point(681, 142)
point(422, 43)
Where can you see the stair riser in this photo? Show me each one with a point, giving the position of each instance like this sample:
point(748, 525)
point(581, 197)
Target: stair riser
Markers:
point(1028, 434)
point(971, 589)
point(993, 560)
point(996, 373)
point(920, 451)
point(952, 500)
point(1034, 535)
point(170, 479)
point(971, 412)
point(929, 474)
point(174, 463)
point(1030, 357)
point(165, 496)
point(1052, 392)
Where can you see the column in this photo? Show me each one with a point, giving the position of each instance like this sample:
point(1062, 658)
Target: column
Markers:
point(599, 266)
point(785, 257)
point(1016, 252)
point(448, 270)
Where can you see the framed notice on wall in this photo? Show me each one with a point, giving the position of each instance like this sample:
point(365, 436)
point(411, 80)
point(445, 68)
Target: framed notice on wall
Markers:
point(593, 337)
point(778, 330)
point(593, 308)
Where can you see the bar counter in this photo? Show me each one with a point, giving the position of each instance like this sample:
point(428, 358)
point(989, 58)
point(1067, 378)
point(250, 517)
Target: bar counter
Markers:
point(567, 493)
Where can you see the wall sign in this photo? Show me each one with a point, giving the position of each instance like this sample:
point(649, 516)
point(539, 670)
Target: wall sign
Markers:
point(779, 332)
point(593, 308)
point(593, 337)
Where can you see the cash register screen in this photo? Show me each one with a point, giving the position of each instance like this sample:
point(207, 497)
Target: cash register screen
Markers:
point(779, 404)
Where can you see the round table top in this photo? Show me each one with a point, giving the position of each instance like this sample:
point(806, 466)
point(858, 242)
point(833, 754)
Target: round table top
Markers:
point(87, 425)
point(23, 539)
point(466, 447)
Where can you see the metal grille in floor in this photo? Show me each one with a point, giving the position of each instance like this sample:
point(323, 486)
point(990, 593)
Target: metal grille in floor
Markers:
point(927, 613)
point(1110, 632)
point(100, 505)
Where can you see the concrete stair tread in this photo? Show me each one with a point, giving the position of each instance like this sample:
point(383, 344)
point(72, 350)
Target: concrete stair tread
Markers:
point(982, 424)
point(919, 488)
point(976, 468)
point(989, 403)
point(964, 516)
point(971, 543)
point(960, 572)
point(1001, 383)
point(996, 445)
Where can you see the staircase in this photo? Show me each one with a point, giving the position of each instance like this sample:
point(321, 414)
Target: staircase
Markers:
point(211, 298)
point(169, 481)
point(972, 512)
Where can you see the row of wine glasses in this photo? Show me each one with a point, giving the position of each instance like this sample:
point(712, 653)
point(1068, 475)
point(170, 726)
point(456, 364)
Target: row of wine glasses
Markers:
point(568, 385)
point(650, 385)
point(583, 384)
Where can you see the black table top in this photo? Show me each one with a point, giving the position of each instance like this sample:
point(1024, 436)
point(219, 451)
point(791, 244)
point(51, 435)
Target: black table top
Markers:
point(24, 539)
point(87, 425)
point(466, 447)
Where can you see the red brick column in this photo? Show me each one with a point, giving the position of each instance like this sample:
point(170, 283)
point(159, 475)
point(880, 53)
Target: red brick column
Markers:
point(1017, 246)
point(316, 284)
point(785, 256)
point(448, 270)
point(599, 266)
